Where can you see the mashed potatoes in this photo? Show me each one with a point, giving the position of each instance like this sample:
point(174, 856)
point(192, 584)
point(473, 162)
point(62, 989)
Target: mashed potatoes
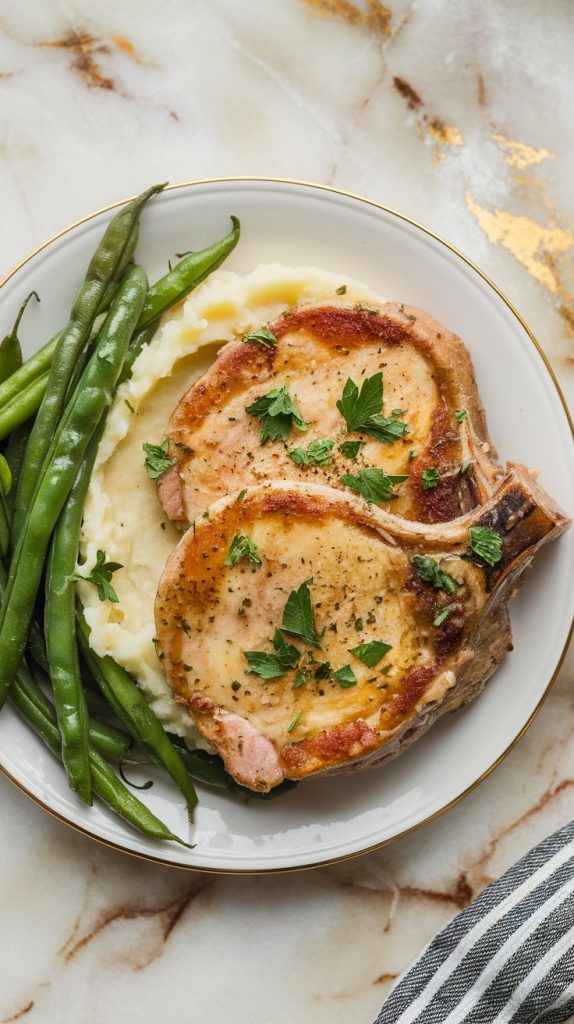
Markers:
point(123, 516)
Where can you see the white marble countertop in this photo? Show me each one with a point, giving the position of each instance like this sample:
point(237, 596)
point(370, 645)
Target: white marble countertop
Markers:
point(458, 115)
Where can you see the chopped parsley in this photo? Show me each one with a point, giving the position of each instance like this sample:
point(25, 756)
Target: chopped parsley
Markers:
point(460, 415)
point(298, 617)
point(130, 406)
point(361, 411)
point(278, 413)
point(300, 679)
point(466, 466)
point(486, 543)
point(440, 615)
point(242, 547)
point(356, 407)
point(101, 576)
point(430, 572)
point(295, 721)
point(241, 496)
point(345, 677)
point(430, 477)
point(370, 654)
point(157, 460)
point(323, 671)
point(317, 452)
point(263, 337)
point(267, 665)
point(341, 290)
point(373, 484)
point(350, 449)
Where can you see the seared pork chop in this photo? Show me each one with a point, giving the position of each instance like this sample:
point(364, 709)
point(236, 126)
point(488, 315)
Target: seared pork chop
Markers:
point(433, 422)
point(308, 631)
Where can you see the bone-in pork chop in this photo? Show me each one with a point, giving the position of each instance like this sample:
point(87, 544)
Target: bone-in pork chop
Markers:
point(309, 631)
point(427, 425)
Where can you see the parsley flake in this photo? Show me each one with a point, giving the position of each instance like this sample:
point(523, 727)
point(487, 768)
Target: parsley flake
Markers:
point(323, 671)
point(242, 547)
point(157, 460)
point(373, 484)
point(101, 576)
point(440, 615)
point(298, 617)
point(300, 679)
point(263, 337)
point(241, 496)
point(295, 721)
point(278, 413)
point(486, 543)
point(370, 654)
point(267, 665)
point(345, 677)
point(317, 452)
point(361, 411)
point(350, 449)
point(430, 477)
point(460, 415)
point(430, 572)
point(341, 290)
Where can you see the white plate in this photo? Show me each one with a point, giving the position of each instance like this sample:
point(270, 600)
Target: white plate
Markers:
point(334, 818)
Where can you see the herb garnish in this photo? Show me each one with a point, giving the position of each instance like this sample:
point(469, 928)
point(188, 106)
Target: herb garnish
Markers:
point(430, 572)
point(370, 654)
point(278, 413)
point(267, 665)
point(373, 484)
point(157, 459)
point(101, 576)
point(300, 679)
point(460, 415)
point(350, 449)
point(317, 451)
point(298, 617)
point(341, 290)
point(242, 547)
point(361, 411)
point(486, 543)
point(466, 466)
point(263, 337)
point(324, 670)
point(345, 677)
point(440, 615)
point(241, 496)
point(430, 477)
point(294, 721)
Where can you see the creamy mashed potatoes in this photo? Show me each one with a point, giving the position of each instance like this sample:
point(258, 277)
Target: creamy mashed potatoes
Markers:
point(123, 516)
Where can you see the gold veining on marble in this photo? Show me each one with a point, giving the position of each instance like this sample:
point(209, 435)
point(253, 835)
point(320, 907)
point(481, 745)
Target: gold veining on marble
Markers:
point(519, 154)
point(84, 48)
point(375, 16)
point(535, 246)
point(444, 133)
point(437, 814)
point(19, 1013)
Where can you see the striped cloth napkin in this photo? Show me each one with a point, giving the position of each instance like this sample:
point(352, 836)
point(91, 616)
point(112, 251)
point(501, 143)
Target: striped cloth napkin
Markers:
point(508, 958)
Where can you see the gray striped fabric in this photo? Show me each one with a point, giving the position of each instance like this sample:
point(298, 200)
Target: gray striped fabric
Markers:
point(508, 958)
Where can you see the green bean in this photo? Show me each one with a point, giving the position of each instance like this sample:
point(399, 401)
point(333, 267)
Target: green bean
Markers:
point(35, 367)
point(107, 740)
point(35, 708)
point(60, 630)
point(10, 351)
point(14, 455)
point(186, 275)
point(23, 406)
point(209, 769)
point(101, 272)
point(92, 398)
point(129, 704)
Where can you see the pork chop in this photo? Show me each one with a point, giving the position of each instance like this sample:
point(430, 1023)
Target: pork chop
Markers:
point(430, 425)
point(308, 631)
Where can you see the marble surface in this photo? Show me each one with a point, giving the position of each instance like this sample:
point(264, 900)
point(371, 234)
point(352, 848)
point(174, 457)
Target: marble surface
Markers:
point(456, 114)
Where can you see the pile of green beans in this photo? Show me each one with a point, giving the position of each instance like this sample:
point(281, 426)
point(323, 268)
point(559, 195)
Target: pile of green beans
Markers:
point(53, 410)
